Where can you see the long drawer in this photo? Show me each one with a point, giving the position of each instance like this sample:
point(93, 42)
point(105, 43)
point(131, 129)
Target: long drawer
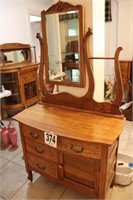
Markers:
point(41, 150)
point(27, 77)
point(42, 165)
point(33, 134)
point(79, 147)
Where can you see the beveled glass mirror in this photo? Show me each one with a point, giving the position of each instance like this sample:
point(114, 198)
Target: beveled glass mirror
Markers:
point(12, 53)
point(62, 29)
point(15, 56)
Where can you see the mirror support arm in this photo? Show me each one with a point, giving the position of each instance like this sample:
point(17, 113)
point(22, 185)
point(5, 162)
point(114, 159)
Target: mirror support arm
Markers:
point(41, 68)
point(90, 92)
point(119, 85)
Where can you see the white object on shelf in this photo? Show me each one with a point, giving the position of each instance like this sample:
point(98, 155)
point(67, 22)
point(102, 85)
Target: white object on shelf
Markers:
point(57, 75)
point(5, 93)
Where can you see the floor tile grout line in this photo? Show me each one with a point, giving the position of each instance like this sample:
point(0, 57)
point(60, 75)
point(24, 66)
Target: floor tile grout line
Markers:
point(11, 161)
point(62, 193)
point(14, 155)
point(4, 165)
point(4, 158)
point(3, 198)
point(18, 190)
point(17, 164)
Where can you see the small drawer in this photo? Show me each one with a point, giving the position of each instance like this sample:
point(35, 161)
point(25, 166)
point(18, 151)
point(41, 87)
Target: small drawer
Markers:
point(42, 166)
point(81, 148)
point(29, 76)
point(33, 134)
point(43, 151)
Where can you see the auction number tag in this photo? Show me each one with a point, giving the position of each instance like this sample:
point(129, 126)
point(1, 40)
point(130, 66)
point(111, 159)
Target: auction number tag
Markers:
point(50, 139)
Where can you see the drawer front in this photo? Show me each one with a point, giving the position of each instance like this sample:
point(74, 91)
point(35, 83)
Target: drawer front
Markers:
point(33, 134)
point(29, 76)
point(79, 147)
point(42, 166)
point(38, 149)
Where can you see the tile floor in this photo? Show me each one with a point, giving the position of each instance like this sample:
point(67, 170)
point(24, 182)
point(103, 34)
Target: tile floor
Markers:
point(15, 186)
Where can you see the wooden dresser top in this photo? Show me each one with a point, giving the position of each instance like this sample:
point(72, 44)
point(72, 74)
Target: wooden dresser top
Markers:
point(18, 65)
point(72, 124)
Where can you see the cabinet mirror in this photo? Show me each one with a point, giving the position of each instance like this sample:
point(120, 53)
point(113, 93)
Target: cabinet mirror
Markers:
point(14, 56)
point(13, 53)
point(62, 29)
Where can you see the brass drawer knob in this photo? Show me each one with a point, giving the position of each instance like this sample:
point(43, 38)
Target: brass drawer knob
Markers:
point(41, 166)
point(60, 166)
point(39, 150)
point(34, 135)
point(77, 149)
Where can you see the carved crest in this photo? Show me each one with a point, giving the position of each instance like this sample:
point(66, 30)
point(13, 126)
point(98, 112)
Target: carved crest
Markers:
point(60, 6)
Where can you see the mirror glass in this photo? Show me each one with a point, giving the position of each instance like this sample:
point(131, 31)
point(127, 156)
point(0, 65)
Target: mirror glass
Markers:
point(14, 56)
point(63, 52)
point(64, 56)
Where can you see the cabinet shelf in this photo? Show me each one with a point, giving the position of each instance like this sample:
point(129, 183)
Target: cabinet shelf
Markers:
point(70, 52)
point(70, 65)
point(15, 94)
point(11, 81)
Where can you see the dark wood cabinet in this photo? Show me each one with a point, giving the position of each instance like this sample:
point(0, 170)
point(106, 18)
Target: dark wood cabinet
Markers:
point(18, 77)
point(21, 80)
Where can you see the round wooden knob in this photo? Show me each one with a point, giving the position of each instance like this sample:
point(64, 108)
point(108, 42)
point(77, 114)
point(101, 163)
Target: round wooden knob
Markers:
point(34, 135)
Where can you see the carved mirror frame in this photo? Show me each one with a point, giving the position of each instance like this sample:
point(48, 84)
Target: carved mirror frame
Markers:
point(61, 8)
point(86, 102)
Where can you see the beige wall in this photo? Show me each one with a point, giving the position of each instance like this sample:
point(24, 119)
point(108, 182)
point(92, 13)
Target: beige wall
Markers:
point(125, 28)
point(14, 19)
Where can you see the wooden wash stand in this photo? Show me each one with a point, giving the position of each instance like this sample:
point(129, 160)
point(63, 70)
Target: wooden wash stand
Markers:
point(73, 140)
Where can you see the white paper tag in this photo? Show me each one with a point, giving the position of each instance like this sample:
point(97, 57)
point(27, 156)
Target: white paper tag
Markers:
point(50, 139)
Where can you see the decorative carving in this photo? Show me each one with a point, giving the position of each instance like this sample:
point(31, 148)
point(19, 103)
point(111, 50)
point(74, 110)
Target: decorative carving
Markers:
point(60, 6)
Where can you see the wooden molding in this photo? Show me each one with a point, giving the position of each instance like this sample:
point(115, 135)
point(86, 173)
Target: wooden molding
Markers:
point(60, 6)
point(13, 46)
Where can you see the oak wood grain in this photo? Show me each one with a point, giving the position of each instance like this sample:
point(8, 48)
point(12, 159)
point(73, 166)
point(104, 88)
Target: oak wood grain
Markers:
point(73, 124)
